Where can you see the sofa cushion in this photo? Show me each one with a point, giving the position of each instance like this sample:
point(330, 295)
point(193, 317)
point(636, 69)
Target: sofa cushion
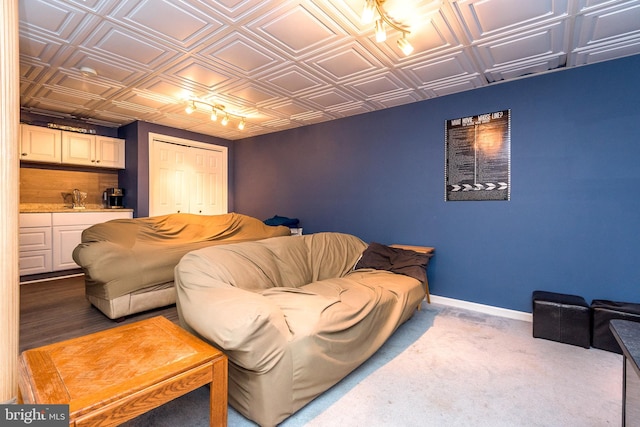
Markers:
point(332, 254)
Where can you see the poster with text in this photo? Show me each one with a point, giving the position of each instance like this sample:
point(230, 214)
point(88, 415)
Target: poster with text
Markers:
point(478, 157)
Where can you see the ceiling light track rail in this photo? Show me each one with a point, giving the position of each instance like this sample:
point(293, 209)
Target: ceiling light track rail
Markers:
point(215, 111)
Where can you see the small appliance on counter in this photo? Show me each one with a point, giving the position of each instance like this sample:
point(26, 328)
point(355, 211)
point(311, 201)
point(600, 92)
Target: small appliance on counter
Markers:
point(113, 198)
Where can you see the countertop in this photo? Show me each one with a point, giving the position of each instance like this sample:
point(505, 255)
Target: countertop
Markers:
point(627, 333)
point(50, 207)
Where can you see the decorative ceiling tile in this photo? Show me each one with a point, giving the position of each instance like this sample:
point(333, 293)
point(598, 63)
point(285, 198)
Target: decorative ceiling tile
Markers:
point(241, 54)
point(74, 81)
point(118, 42)
point(172, 21)
point(199, 73)
point(486, 18)
point(288, 63)
point(108, 71)
point(298, 28)
point(40, 49)
point(394, 100)
point(376, 86)
point(345, 63)
point(609, 24)
point(57, 19)
point(294, 81)
point(605, 52)
point(253, 94)
point(454, 86)
point(524, 47)
point(512, 71)
point(329, 99)
point(443, 68)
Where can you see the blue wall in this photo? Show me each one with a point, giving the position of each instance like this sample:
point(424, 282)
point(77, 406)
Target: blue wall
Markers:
point(573, 220)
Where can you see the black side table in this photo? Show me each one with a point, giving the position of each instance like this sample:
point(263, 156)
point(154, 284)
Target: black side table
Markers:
point(627, 334)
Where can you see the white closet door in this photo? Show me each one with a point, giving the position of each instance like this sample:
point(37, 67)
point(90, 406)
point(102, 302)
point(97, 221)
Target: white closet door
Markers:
point(186, 176)
point(169, 180)
point(207, 194)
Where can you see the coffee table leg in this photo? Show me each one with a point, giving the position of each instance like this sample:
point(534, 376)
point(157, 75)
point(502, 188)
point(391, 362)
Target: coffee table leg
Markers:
point(218, 394)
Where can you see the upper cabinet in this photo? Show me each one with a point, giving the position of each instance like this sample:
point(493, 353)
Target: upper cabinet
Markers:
point(41, 144)
point(92, 150)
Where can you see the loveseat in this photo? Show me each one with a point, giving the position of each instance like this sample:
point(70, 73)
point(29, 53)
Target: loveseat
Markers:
point(128, 263)
point(292, 314)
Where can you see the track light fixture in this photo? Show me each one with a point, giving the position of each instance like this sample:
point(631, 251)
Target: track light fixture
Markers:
point(214, 109)
point(191, 107)
point(369, 12)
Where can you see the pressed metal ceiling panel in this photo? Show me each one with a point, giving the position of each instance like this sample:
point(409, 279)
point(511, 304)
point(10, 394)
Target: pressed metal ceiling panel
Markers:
point(285, 64)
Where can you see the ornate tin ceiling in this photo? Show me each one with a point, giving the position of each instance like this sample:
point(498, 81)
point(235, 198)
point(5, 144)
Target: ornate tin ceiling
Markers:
point(285, 64)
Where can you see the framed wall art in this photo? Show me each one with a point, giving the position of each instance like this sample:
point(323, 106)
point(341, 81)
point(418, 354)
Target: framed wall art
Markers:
point(478, 157)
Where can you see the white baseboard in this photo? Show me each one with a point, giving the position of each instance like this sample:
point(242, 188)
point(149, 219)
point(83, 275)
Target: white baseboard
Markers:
point(482, 308)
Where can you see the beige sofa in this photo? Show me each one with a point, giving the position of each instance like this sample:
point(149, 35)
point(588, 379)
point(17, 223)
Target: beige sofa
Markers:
point(128, 263)
point(292, 315)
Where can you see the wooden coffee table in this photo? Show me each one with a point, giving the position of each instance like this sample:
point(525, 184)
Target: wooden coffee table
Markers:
point(115, 375)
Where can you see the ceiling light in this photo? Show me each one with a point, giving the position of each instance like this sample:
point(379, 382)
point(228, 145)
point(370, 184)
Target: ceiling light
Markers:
point(215, 109)
point(88, 72)
point(369, 11)
point(381, 33)
point(405, 46)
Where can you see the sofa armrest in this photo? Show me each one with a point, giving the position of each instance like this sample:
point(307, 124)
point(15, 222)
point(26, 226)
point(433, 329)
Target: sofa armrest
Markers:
point(251, 330)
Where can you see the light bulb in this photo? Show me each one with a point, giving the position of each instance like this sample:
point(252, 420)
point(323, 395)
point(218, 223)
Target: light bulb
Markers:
point(241, 124)
point(368, 12)
point(381, 34)
point(225, 120)
point(191, 107)
point(405, 46)
point(214, 115)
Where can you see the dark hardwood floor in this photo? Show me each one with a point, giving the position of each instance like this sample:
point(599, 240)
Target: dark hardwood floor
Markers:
point(57, 310)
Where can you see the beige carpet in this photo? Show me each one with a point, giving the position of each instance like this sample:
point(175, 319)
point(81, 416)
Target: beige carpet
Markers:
point(453, 367)
point(477, 370)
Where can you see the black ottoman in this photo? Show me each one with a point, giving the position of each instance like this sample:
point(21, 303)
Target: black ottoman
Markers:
point(563, 318)
point(603, 311)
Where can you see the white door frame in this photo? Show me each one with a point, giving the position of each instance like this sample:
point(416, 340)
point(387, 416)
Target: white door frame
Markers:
point(195, 144)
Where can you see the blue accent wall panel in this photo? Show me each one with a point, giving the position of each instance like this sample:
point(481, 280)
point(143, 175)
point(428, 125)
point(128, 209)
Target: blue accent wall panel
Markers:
point(572, 223)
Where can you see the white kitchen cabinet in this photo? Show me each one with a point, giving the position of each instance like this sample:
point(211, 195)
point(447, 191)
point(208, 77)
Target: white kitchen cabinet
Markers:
point(40, 144)
point(47, 240)
point(67, 233)
point(35, 243)
point(92, 150)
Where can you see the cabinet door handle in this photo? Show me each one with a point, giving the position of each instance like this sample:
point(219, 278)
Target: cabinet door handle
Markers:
point(24, 154)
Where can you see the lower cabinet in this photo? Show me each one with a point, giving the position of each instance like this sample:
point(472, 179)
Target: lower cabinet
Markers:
point(47, 240)
point(35, 243)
